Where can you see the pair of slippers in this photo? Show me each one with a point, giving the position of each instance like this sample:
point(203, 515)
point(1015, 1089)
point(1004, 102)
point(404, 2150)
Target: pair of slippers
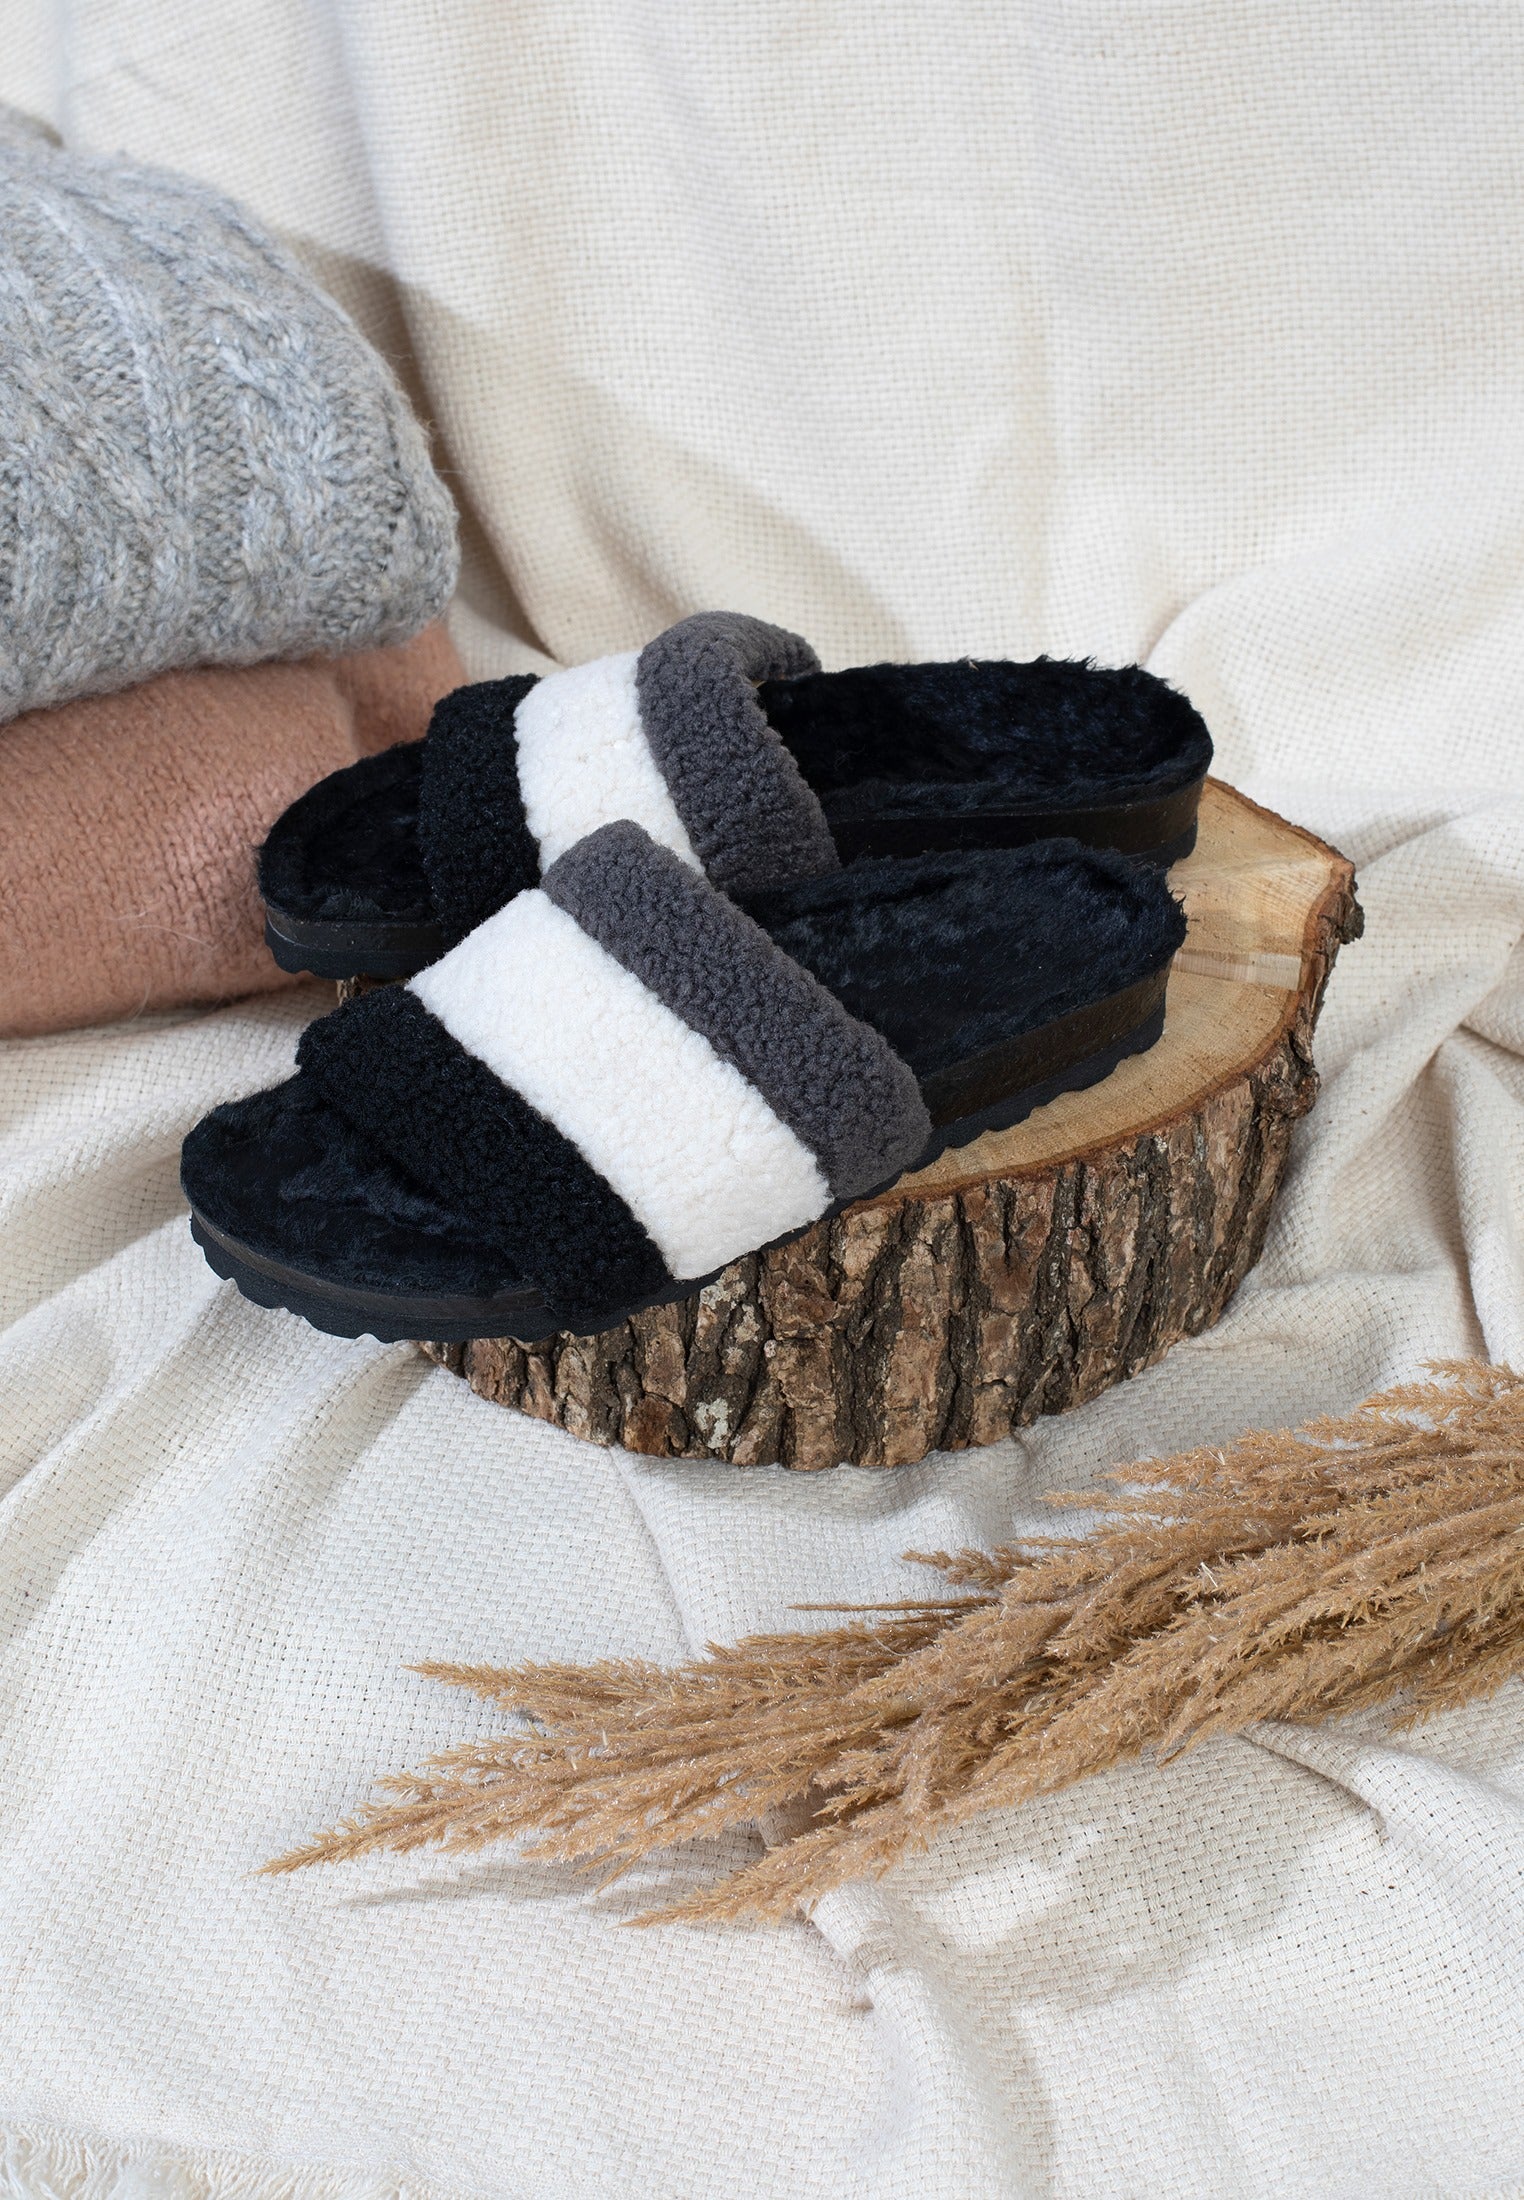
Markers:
point(653, 1019)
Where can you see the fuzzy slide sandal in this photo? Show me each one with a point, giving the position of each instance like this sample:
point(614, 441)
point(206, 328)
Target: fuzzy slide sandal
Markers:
point(622, 1080)
point(718, 724)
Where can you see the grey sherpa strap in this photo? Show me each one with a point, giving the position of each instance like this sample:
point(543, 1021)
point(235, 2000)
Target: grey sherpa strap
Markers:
point(674, 738)
point(716, 1088)
point(749, 815)
point(515, 772)
point(836, 1083)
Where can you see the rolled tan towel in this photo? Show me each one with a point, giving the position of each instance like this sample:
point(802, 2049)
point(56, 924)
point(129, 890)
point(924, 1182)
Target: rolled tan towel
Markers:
point(128, 824)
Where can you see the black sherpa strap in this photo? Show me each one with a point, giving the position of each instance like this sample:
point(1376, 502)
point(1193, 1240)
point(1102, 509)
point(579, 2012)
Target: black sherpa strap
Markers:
point(403, 1081)
point(476, 846)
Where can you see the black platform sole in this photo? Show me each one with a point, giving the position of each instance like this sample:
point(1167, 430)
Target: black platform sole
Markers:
point(321, 948)
point(1158, 832)
point(992, 1093)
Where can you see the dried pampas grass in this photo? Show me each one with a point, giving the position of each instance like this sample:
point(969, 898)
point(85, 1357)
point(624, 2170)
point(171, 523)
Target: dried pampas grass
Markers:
point(1368, 1560)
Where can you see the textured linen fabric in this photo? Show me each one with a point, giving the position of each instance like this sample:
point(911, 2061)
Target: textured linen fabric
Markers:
point(201, 460)
point(1167, 328)
point(129, 822)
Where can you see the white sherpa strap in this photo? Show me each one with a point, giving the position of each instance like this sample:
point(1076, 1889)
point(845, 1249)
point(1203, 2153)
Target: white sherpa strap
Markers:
point(722, 1092)
point(674, 739)
point(697, 1155)
point(584, 759)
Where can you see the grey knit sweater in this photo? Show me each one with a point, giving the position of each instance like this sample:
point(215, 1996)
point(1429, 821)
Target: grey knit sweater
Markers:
point(202, 461)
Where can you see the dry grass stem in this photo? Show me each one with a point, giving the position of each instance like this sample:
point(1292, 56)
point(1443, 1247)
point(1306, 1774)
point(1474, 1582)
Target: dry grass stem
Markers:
point(1374, 1559)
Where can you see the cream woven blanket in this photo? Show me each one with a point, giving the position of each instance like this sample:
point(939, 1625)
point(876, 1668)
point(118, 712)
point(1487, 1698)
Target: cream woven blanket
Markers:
point(1170, 328)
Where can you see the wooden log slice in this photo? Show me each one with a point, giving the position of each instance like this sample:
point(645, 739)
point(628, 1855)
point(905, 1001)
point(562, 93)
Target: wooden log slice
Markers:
point(1022, 1274)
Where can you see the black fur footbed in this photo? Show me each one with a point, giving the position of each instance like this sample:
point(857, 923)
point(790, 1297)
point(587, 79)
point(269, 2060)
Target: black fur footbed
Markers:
point(348, 848)
point(948, 956)
point(428, 831)
point(1057, 732)
point(901, 756)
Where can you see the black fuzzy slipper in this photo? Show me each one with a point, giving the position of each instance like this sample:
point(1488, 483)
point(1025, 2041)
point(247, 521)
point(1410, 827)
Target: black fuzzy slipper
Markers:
point(623, 1080)
point(726, 741)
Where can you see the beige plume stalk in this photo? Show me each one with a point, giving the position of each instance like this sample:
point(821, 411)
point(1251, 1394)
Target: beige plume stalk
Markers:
point(1376, 1558)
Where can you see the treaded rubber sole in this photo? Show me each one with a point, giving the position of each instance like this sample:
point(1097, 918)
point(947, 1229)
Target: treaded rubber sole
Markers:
point(1158, 833)
point(332, 950)
point(343, 1310)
